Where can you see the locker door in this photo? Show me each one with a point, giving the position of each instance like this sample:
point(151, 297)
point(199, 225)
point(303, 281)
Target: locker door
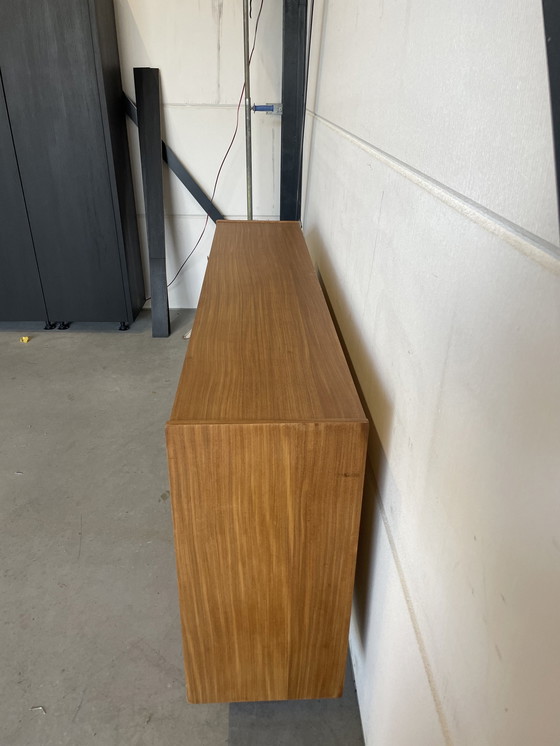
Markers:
point(21, 296)
point(52, 96)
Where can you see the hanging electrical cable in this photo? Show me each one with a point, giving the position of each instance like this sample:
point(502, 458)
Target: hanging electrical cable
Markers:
point(234, 136)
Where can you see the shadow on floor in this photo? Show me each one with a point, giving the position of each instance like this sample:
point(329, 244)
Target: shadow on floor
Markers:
point(179, 317)
point(324, 722)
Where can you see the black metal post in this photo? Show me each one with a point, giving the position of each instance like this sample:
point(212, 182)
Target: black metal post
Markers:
point(551, 12)
point(294, 59)
point(146, 83)
point(248, 139)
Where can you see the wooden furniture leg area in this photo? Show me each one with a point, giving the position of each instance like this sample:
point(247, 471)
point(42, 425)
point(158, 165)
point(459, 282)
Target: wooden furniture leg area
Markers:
point(266, 446)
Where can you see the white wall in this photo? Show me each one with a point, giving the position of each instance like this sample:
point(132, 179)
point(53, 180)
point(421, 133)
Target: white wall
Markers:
point(431, 212)
point(198, 47)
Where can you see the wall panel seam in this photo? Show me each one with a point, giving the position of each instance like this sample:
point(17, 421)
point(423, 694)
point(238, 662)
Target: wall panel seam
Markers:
point(202, 216)
point(533, 247)
point(415, 624)
point(177, 105)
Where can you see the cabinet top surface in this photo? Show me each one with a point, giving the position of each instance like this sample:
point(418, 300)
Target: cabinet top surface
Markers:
point(263, 346)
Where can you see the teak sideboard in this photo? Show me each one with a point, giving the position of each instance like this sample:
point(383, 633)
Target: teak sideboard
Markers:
point(266, 446)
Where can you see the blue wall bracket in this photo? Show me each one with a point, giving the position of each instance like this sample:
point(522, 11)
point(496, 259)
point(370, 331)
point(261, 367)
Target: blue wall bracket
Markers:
point(269, 108)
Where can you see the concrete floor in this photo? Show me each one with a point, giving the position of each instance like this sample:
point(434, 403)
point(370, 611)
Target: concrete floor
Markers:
point(89, 623)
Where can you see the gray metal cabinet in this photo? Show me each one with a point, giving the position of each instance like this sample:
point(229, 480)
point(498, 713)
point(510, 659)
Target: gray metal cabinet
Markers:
point(63, 123)
point(21, 295)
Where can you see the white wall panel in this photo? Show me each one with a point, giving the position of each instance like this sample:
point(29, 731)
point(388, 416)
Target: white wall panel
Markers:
point(453, 330)
point(200, 138)
point(198, 47)
point(393, 690)
point(458, 91)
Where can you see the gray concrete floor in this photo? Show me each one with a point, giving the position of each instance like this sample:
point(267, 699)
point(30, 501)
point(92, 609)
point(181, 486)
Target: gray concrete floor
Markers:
point(89, 623)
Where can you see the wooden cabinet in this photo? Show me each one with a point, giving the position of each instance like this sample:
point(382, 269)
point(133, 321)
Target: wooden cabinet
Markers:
point(266, 446)
point(69, 241)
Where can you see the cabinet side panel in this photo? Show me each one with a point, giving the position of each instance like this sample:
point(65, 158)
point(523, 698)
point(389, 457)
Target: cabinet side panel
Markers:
point(266, 523)
point(328, 474)
point(230, 509)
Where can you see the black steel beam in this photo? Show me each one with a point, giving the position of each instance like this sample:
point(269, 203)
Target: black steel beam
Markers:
point(179, 170)
point(294, 66)
point(146, 83)
point(551, 12)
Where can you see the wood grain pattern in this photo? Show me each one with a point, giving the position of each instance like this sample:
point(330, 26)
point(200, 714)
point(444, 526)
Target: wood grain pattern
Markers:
point(266, 520)
point(266, 448)
point(263, 345)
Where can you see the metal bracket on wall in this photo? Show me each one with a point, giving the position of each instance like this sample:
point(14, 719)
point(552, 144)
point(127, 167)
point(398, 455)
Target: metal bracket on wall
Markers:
point(551, 13)
point(179, 169)
point(275, 109)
